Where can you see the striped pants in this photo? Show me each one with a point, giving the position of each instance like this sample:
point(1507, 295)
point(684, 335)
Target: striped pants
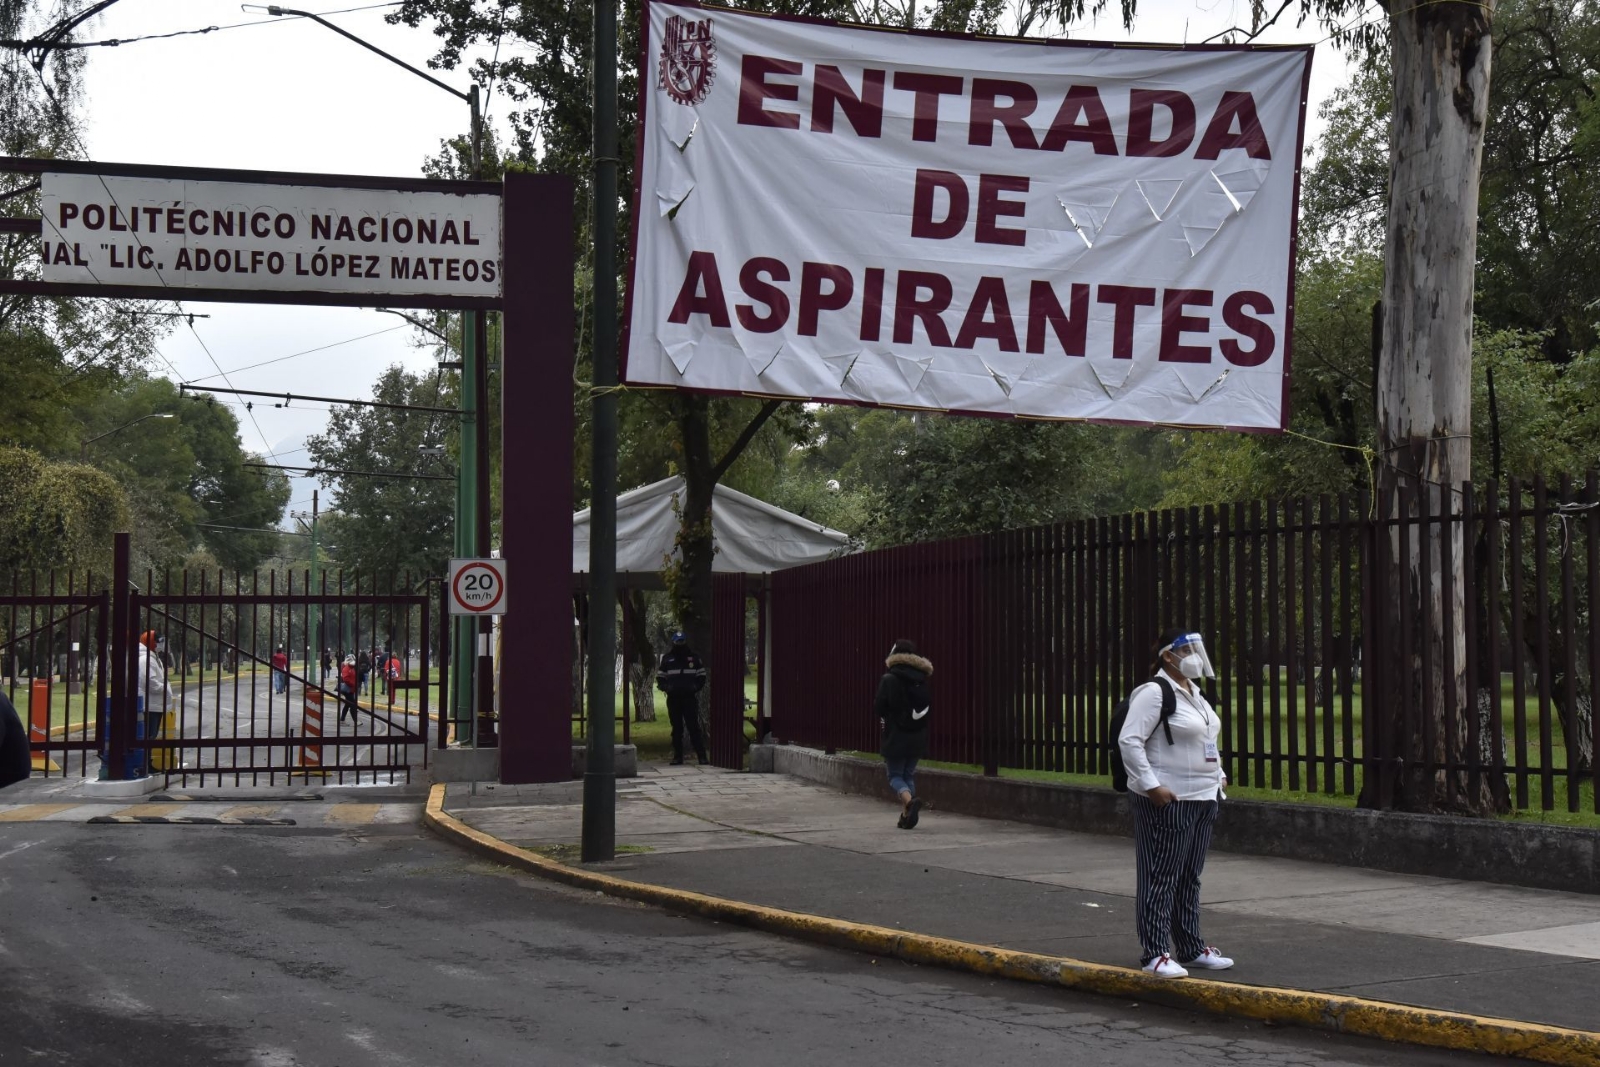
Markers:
point(1171, 844)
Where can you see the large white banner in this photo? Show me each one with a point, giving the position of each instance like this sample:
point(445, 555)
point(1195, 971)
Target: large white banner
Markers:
point(183, 234)
point(1069, 230)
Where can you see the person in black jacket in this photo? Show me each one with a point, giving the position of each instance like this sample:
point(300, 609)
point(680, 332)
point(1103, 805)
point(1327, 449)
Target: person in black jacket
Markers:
point(16, 761)
point(904, 703)
point(681, 676)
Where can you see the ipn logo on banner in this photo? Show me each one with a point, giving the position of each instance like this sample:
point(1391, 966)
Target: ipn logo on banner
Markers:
point(688, 60)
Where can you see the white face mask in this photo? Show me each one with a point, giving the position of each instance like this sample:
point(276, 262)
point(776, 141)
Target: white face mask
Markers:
point(1192, 667)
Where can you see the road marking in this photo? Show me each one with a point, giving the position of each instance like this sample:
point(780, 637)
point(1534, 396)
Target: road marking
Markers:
point(19, 848)
point(351, 814)
point(33, 812)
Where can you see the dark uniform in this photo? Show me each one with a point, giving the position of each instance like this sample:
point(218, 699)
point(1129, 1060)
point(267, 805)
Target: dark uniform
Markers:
point(16, 762)
point(682, 675)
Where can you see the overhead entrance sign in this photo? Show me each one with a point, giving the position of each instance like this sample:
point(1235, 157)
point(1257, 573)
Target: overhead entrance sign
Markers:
point(477, 587)
point(108, 229)
point(184, 234)
point(857, 215)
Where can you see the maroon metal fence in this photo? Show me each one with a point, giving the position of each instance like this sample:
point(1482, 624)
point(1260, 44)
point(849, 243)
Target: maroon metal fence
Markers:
point(52, 667)
point(174, 674)
point(727, 671)
point(1323, 668)
point(228, 713)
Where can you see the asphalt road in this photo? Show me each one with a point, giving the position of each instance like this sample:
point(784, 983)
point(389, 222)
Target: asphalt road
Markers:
point(193, 946)
point(247, 707)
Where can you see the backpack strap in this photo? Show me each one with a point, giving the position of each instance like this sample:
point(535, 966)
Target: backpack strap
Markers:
point(1169, 704)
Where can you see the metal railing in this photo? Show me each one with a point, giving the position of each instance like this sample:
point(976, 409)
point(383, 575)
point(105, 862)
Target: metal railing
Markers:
point(1478, 687)
point(175, 674)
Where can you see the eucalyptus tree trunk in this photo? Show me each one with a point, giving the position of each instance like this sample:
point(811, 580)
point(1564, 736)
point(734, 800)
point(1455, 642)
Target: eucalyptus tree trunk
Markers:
point(1440, 55)
point(642, 671)
point(696, 548)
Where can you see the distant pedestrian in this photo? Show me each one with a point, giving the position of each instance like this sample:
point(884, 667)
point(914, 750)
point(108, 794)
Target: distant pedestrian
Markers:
point(327, 664)
point(16, 760)
point(904, 704)
point(1169, 746)
point(280, 671)
point(363, 668)
point(349, 685)
point(681, 676)
point(150, 681)
point(151, 675)
point(391, 672)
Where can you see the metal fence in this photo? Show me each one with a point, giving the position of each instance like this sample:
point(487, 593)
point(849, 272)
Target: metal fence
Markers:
point(1328, 679)
point(53, 632)
point(174, 673)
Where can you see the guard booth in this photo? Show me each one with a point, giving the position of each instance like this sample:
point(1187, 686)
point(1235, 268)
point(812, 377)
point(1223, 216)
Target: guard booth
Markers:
point(188, 233)
point(753, 539)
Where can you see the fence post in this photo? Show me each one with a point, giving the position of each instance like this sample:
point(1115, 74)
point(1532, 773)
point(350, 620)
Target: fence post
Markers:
point(120, 721)
point(991, 562)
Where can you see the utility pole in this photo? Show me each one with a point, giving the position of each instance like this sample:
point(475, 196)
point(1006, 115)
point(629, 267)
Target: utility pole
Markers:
point(472, 486)
point(472, 496)
point(316, 624)
point(599, 778)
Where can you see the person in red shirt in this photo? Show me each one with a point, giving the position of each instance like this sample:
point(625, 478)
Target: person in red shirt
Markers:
point(349, 684)
point(280, 671)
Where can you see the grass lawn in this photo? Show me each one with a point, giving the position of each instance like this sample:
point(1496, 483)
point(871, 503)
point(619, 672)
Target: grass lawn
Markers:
point(654, 739)
point(1584, 817)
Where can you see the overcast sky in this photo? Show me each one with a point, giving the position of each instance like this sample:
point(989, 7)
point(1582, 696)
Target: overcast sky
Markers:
point(288, 94)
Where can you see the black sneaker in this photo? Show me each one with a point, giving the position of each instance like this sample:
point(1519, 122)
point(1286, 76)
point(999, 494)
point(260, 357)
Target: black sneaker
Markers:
point(704, 761)
point(902, 822)
point(912, 813)
point(676, 763)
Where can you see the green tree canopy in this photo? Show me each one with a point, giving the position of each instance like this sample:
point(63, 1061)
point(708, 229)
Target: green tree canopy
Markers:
point(56, 515)
point(184, 475)
point(390, 525)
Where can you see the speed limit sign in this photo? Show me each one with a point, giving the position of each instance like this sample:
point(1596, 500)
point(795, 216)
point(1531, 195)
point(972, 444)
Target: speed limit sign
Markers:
point(477, 587)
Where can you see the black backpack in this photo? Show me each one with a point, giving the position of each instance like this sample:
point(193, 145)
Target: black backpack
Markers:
point(1119, 715)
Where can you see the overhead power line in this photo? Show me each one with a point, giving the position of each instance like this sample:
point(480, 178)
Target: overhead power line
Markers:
point(38, 48)
point(250, 529)
point(307, 352)
point(356, 474)
point(185, 387)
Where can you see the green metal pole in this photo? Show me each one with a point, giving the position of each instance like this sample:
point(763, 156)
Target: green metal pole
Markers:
point(463, 659)
point(462, 655)
point(599, 779)
point(316, 618)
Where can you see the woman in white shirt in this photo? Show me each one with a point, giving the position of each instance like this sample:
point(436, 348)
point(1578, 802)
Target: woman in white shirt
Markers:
point(1175, 774)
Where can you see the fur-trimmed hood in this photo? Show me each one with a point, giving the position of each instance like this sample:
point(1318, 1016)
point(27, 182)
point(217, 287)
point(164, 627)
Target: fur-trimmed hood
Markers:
point(909, 660)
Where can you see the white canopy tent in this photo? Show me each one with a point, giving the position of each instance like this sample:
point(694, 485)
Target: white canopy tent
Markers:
point(752, 536)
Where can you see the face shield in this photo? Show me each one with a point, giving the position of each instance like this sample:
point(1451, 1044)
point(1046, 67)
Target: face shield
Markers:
point(1192, 659)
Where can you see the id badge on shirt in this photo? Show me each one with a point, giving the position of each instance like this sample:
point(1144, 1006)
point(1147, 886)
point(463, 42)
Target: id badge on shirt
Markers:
point(1211, 752)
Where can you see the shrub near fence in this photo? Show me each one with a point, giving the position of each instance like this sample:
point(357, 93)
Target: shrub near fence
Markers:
point(1035, 634)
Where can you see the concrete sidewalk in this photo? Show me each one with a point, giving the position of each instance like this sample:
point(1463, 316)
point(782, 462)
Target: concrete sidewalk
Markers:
point(1477, 948)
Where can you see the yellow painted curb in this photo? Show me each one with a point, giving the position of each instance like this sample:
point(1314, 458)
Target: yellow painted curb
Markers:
point(1323, 1011)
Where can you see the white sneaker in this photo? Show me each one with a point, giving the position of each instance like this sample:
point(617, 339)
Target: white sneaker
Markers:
point(1164, 967)
point(1210, 960)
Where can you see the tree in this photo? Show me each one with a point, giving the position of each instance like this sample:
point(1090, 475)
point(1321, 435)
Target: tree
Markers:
point(56, 515)
point(185, 475)
point(55, 353)
point(390, 526)
point(1540, 188)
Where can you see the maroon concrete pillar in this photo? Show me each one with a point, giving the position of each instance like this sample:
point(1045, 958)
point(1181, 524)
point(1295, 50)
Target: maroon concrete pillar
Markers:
point(536, 517)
